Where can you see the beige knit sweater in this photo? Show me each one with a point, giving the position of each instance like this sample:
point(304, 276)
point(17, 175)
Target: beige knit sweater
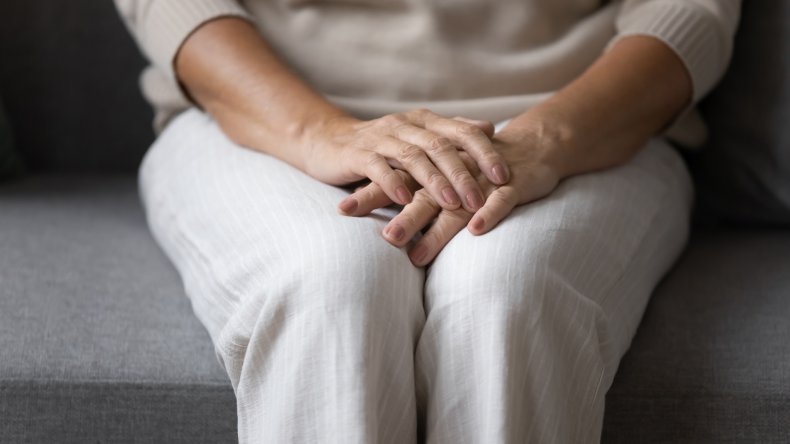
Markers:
point(486, 59)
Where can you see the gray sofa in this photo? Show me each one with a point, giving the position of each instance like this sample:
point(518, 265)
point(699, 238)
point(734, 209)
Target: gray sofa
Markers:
point(99, 344)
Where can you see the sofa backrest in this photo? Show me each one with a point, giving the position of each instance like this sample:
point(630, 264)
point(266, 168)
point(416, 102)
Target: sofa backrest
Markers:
point(744, 174)
point(68, 79)
point(69, 70)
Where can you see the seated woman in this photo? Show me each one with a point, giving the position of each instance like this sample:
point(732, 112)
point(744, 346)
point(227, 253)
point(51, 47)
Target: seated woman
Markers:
point(374, 260)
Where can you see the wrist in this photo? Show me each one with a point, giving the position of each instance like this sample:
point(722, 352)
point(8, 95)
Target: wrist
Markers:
point(319, 139)
point(551, 138)
point(313, 132)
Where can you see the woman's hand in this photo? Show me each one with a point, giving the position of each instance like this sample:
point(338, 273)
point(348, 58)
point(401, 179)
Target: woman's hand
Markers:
point(344, 150)
point(528, 151)
point(602, 118)
point(229, 70)
point(598, 121)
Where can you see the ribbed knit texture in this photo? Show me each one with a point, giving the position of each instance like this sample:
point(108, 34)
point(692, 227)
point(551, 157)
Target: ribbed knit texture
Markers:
point(162, 26)
point(486, 61)
point(701, 38)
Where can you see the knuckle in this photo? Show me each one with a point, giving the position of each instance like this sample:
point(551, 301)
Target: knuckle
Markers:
point(499, 199)
point(369, 194)
point(372, 187)
point(391, 176)
point(422, 198)
point(435, 238)
point(440, 145)
point(371, 160)
point(392, 120)
point(467, 129)
point(461, 217)
point(460, 175)
point(409, 153)
point(420, 195)
point(436, 178)
point(404, 176)
point(422, 112)
point(490, 156)
point(408, 221)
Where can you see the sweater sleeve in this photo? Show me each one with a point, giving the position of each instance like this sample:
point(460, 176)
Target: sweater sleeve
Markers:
point(701, 33)
point(161, 26)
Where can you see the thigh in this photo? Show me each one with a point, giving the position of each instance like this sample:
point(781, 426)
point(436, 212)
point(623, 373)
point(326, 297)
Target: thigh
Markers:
point(600, 241)
point(245, 229)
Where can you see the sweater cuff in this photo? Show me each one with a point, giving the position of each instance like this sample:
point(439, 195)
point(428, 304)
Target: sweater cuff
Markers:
point(168, 23)
point(689, 30)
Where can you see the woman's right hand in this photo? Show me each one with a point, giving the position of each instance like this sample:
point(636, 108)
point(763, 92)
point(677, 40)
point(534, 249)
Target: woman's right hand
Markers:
point(344, 150)
point(229, 70)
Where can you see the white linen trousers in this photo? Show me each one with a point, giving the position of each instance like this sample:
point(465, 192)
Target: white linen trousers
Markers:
point(330, 335)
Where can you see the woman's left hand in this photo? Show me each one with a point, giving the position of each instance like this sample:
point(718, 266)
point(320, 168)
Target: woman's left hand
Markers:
point(598, 121)
point(533, 175)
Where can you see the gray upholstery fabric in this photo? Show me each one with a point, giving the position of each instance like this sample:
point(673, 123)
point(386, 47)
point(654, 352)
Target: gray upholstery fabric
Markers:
point(98, 342)
point(711, 360)
point(744, 174)
point(68, 77)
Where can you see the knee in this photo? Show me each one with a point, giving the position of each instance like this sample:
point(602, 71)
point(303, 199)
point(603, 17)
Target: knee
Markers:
point(333, 279)
point(331, 271)
point(500, 273)
point(358, 271)
point(515, 292)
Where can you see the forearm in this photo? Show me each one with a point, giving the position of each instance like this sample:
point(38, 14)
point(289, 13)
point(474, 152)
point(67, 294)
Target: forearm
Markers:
point(258, 102)
point(604, 116)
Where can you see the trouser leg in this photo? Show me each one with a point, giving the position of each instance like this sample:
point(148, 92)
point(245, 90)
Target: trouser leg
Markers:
point(313, 315)
point(526, 325)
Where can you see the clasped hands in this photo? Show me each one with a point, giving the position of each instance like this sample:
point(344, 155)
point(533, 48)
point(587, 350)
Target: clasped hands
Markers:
point(447, 173)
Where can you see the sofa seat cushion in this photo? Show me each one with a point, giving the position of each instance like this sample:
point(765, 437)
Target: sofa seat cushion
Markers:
point(711, 360)
point(98, 342)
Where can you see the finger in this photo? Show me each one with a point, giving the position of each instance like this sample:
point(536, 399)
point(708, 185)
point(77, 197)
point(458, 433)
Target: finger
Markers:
point(498, 205)
point(446, 226)
point(413, 218)
point(376, 168)
point(473, 140)
point(485, 125)
point(371, 197)
point(469, 163)
point(415, 160)
point(364, 200)
point(444, 154)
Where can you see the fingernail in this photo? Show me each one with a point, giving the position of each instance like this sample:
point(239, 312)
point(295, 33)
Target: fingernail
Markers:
point(348, 205)
point(395, 232)
point(474, 200)
point(449, 196)
point(478, 223)
point(418, 254)
point(403, 195)
point(500, 173)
